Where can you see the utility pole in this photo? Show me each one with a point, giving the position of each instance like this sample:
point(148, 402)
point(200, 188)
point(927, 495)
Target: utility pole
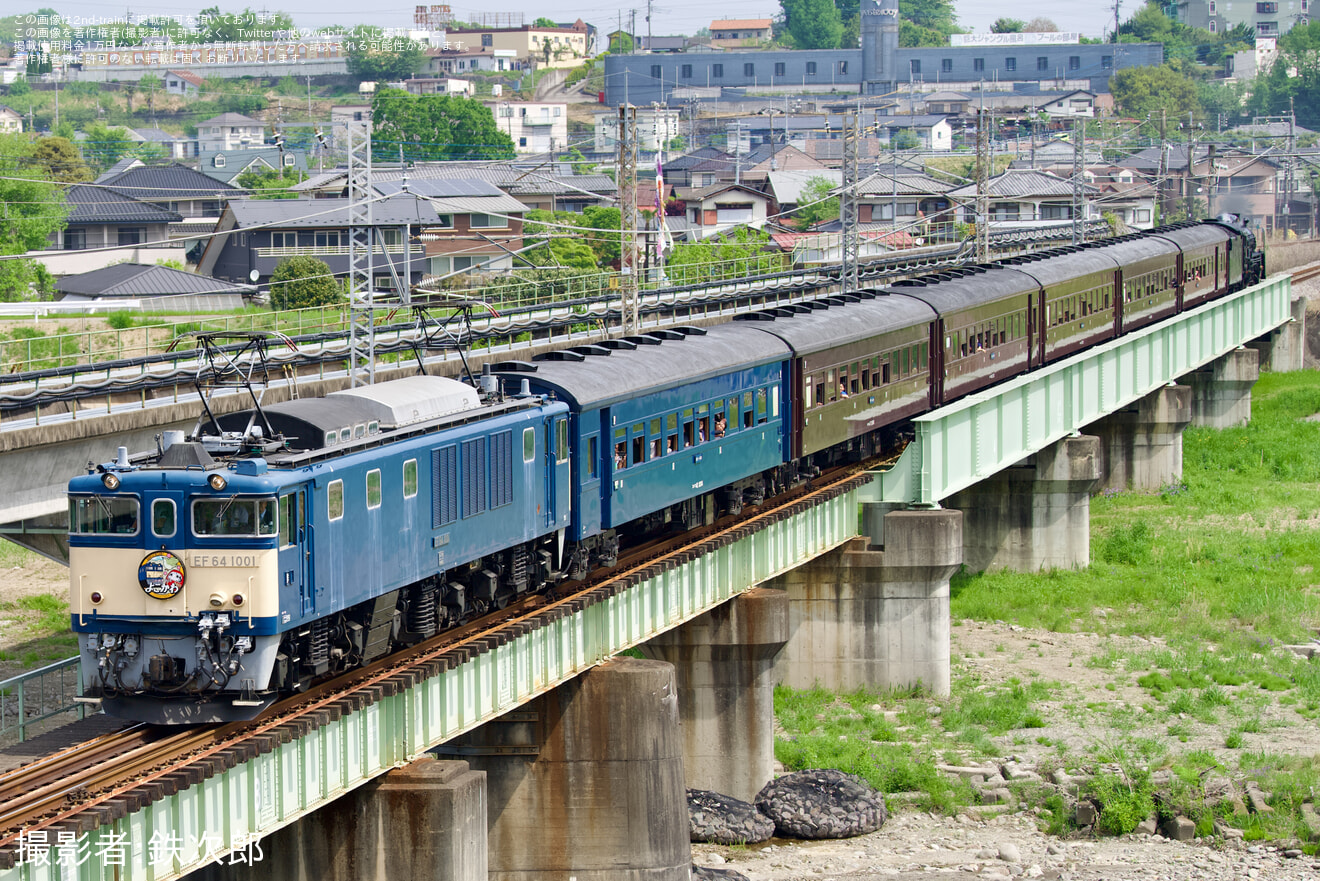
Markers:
point(648, 34)
point(309, 99)
point(982, 185)
point(1117, 3)
point(848, 205)
point(1289, 181)
point(1078, 182)
point(1189, 183)
point(628, 218)
point(1162, 185)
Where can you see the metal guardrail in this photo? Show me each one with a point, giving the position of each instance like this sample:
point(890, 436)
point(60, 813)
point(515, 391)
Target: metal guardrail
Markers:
point(37, 695)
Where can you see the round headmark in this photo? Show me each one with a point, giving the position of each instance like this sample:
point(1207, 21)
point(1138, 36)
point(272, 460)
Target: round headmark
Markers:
point(161, 575)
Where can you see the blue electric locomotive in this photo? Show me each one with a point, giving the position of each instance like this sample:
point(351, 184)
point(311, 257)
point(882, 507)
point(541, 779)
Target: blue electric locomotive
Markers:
point(308, 537)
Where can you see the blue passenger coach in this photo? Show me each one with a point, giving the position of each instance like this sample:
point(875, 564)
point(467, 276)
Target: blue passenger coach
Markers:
point(669, 426)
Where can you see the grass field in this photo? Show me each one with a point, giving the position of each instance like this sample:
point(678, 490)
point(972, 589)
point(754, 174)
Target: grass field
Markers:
point(1190, 594)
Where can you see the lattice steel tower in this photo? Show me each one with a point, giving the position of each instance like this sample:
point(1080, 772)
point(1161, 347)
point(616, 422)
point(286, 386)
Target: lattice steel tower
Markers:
point(628, 250)
point(361, 327)
point(848, 205)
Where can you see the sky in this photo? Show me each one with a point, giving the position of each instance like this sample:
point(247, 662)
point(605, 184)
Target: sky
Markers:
point(668, 16)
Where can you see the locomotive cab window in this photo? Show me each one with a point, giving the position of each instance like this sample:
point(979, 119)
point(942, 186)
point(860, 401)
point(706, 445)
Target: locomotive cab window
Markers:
point(287, 533)
point(98, 515)
point(234, 516)
point(410, 478)
point(162, 518)
point(334, 500)
point(373, 489)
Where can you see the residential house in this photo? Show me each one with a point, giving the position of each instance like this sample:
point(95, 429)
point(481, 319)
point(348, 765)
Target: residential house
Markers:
point(534, 127)
point(734, 33)
point(102, 217)
point(755, 165)
point(932, 131)
point(1224, 180)
point(174, 146)
point(444, 62)
point(702, 167)
point(715, 209)
point(437, 86)
point(544, 46)
point(823, 243)
point(183, 82)
point(142, 286)
point(197, 198)
point(10, 120)
point(1268, 18)
point(906, 198)
point(1075, 103)
point(1024, 197)
point(230, 131)
point(225, 166)
point(434, 228)
point(657, 127)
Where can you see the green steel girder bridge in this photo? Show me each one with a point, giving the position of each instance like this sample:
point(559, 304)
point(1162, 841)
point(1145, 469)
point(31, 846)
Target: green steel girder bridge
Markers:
point(955, 447)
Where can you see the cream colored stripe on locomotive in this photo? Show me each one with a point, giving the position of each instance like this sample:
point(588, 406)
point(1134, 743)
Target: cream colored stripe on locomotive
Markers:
point(114, 573)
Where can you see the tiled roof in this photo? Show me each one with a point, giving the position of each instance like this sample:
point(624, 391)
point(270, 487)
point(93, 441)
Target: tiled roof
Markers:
point(138, 280)
point(172, 181)
point(238, 161)
point(96, 204)
point(906, 182)
point(230, 119)
point(1024, 182)
point(333, 213)
point(188, 77)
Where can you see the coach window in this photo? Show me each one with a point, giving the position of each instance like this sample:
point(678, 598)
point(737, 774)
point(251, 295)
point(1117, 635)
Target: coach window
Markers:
point(866, 375)
point(820, 394)
point(688, 428)
point(561, 441)
point(620, 448)
point(529, 444)
point(373, 488)
point(671, 433)
point(761, 410)
point(843, 381)
point(703, 423)
point(854, 377)
point(639, 443)
point(593, 466)
point(774, 401)
point(335, 499)
point(731, 411)
point(884, 369)
point(808, 395)
point(410, 478)
point(657, 439)
point(831, 389)
point(331, 438)
point(747, 408)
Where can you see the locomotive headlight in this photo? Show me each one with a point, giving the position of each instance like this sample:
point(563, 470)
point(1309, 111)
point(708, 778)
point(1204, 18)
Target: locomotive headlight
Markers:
point(110, 482)
point(217, 482)
point(217, 599)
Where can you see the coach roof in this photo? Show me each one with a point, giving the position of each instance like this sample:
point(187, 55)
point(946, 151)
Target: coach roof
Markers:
point(816, 330)
point(626, 373)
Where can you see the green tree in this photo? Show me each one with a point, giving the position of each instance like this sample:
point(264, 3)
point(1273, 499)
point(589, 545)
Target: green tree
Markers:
point(270, 183)
point(1273, 93)
point(904, 139)
point(34, 208)
point(1041, 25)
point(621, 43)
point(926, 22)
point(1139, 91)
point(106, 146)
point(299, 282)
point(375, 57)
point(816, 202)
point(60, 161)
point(432, 127)
point(1005, 25)
point(813, 24)
point(544, 22)
point(739, 252)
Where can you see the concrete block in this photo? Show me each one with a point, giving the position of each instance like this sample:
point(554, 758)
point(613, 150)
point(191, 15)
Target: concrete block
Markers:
point(1148, 826)
point(1256, 800)
point(1086, 814)
point(1311, 820)
point(1179, 829)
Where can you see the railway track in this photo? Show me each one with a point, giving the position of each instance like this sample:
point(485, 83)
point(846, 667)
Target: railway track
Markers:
point(1306, 274)
point(92, 784)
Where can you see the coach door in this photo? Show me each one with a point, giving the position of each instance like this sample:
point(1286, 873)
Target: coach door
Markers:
point(295, 550)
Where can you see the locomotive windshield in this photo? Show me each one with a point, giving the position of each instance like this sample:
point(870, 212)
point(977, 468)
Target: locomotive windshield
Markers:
point(103, 515)
point(234, 516)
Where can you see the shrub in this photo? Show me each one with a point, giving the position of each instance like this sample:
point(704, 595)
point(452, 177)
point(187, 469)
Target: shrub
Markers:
point(299, 282)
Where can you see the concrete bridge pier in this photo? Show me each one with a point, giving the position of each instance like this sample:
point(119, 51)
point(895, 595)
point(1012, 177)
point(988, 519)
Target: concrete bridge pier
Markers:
point(866, 616)
point(1141, 445)
point(1221, 391)
point(1034, 515)
point(724, 665)
point(586, 781)
point(1284, 348)
point(424, 821)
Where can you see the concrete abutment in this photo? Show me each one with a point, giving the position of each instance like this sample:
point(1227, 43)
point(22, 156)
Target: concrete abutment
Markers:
point(1141, 445)
point(1221, 391)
